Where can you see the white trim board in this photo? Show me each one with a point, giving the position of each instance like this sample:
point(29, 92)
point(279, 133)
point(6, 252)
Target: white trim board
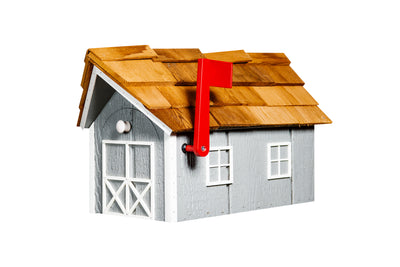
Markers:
point(136, 103)
point(92, 168)
point(171, 179)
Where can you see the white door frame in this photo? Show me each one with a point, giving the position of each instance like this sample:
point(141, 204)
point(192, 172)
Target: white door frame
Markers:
point(127, 181)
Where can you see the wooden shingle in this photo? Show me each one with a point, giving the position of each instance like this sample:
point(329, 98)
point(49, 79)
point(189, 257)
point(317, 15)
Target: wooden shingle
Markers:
point(177, 55)
point(180, 119)
point(309, 115)
point(124, 53)
point(149, 96)
point(269, 58)
point(184, 73)
point(140, 72)
point(266, 91)
point(179, 96)
point(237, 56)
point(275, 95)
point(283, 75)
point(239, 95)
point(234, 116)
point(301, 95)
point(250, 75)
point(274, 116)
point(285, 95)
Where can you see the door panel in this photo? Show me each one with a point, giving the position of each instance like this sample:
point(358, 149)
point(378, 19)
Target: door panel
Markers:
point(128, 178)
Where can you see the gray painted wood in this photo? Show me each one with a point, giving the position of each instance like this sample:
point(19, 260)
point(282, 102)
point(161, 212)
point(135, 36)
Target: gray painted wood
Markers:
point(101, 95)
point(251, 189)
point(143, 130)
point(303, 164)
point(195, 199)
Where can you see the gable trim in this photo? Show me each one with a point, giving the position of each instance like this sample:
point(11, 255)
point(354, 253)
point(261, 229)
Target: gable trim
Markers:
point(136, 103)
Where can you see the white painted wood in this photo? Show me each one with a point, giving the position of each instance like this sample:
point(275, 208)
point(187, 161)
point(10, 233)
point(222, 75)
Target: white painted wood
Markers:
point(152, 177)
point(279, 160)
point(92, 183)
point(127, 183)
point(89, 96)
point(103, 184)
point(136, 103)
point(219, 165)
point(170, 183)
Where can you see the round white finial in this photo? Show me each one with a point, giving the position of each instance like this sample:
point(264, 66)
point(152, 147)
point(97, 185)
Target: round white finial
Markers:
point(123, 126)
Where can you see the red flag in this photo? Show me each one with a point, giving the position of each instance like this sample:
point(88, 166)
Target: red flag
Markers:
point(209, 73)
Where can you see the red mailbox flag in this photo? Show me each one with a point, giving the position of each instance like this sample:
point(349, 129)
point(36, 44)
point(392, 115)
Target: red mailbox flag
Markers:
point(209, 73)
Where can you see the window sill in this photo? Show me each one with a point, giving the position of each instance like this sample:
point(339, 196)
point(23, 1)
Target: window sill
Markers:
point(279, 177)
point(218, 183)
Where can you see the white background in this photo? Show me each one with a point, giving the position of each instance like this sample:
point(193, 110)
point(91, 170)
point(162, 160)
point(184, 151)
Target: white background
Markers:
point(348, 54)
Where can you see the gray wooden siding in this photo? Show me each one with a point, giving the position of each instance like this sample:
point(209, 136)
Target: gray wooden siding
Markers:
point(143, 129)
point(250, 189)
point(195, 199)
point(303, 165)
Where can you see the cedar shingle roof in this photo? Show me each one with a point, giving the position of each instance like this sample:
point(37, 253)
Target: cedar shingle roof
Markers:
point(266, 91)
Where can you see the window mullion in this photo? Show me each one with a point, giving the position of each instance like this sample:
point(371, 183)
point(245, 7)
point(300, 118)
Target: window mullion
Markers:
point(219, 165)
point(279, 160)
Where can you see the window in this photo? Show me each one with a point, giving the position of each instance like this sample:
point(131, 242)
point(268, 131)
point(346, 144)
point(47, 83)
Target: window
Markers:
point(219, 166)
point(279, 160)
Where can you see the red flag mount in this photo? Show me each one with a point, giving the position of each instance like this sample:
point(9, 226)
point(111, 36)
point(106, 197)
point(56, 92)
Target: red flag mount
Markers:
point(209, 73)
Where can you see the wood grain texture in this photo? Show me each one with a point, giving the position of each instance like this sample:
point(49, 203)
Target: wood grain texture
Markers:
point(195, 199)
point(234, 116)
point(269, 58)
point(237, 95)
point(309, 115)
point(180, 119)
point(179, 96)
point(237, 56)
point(223, 96)
point(303, 166)
point(274, 116)
point(140, 72)
point(301, 95)
point(251, 75)
point(124, 53)
point(78, 123)
point(285, 96)
point(150, 96)
point(270, 89)
point(143, 129)
point(92, 58)
point(87, 72)
point(184, 73)
point(251, 189)
point(283, 75)
point(253, 116)
point(275, 95)
point(177, 55)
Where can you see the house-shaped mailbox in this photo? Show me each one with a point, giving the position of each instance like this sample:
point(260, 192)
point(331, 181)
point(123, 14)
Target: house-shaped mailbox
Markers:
point(139, 104)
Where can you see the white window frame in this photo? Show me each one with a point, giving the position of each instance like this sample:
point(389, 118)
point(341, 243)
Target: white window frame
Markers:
point(219, 165)
point(279, 159)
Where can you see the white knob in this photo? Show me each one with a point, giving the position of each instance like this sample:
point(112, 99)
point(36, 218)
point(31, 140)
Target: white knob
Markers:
point(123, 126)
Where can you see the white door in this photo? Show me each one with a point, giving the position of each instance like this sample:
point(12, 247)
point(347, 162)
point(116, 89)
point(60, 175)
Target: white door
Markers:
point(128, 178)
